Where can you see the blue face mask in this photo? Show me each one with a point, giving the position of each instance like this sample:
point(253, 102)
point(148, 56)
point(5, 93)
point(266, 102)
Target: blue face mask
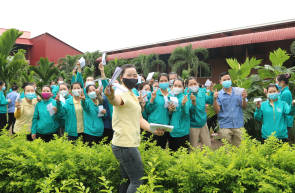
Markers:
point(279, 87)
point(30, 96)
point(3, 88)
point(92, 95)
point(273, 96)
point(226, 84)
point(164, 85)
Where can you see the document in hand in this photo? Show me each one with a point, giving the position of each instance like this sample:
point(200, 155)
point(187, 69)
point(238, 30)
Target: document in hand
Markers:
point(104, 61)
point(154, 126)
point(116, 75)
point(82, 62)
point(150, 76)
point(50, 109)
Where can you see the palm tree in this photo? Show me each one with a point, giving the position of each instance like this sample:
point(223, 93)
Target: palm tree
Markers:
point(157, 65)
point(67, 64)
point(45, 71)
point(186, 58)
point(12, 66)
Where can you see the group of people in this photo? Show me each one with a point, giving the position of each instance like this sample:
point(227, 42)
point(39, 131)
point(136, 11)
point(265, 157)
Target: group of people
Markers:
point(96, 109)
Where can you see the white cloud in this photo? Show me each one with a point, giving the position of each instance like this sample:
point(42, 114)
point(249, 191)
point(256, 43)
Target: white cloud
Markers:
point(91, 25)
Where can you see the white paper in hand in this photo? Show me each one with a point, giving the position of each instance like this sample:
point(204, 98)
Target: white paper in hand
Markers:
point(62, 98)
point(150, 76)
point(82, 62)
point(139, 79)
point(174, 101)
point(166, 102)
point(238, 91)
point(155, 126)
point(104, 61)
point(208, 83)
point(100, 108)
point(116, 75)
point(50, 109)
point(257, 100)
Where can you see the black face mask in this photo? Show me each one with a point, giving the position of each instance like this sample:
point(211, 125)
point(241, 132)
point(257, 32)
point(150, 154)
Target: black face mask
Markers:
point(130, 83)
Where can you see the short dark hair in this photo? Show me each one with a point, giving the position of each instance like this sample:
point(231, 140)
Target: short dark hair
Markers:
point(223, 74)
point(272, 86)
point(27, 84)
point(14, 87)
point(172, 73)
point(284, 77)
point(1, 82)
point(87, 88)
point(179, 79)
point(163, 74)
point(125, 67)
point(47, 87)
point(191, 78)
point(64, 84)
point(76, 83)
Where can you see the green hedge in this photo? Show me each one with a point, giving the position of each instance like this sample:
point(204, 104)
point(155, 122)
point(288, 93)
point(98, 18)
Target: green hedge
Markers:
point(59, 166)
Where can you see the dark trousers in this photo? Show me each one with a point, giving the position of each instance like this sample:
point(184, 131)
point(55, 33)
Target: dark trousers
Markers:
point(11, 121)
point(177, 142)
point(74, 138)
point(45, 137)
point(108, 134)
point(162, 140)
point(131, 167)
point(3, 120)
point(286, 140)
point(90, 139)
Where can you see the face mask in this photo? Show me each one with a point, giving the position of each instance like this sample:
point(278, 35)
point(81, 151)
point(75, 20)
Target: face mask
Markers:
point(130, 83)
point(89, 83)
point(193, 88)
point(171, 82)
point(279, 87)
point(64, 93)
point(226, 84)
point(30, 96)
point(164, 85)
point(273, 96)
point(60, 82)
point(76, 92)
point(92, 95)
point(177, 91)
point(46, 95)
point(3, 88)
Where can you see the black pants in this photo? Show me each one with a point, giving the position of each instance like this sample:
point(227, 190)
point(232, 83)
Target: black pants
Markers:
point(11, 121)
point(162, 140)
point(45, 137)
point(176, 142)
point(3, 120)
point(108, 134)
point(74, 138)
point(90, 139)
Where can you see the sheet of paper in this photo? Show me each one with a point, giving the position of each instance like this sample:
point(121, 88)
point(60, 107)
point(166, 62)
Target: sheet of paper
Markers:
point(174, 101)
point(154, 126)
point(257, 100)
point(208, 83)
point(104, 61)
point(166, 102)
point(50, 109)
point(238, 91)
point(100, 108)
point(82, 62)
point(116, 75)
point(120, 87)
point(139, 79)
point(150, 76)
point(62, 99)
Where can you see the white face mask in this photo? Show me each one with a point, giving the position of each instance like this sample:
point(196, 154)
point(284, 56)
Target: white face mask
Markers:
point(194, 88)
point(76, 92)
point(60, 82)
point(177, 91)
point(89, 83)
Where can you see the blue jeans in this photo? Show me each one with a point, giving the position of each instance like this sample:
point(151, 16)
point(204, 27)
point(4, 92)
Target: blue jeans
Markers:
point(131, 168)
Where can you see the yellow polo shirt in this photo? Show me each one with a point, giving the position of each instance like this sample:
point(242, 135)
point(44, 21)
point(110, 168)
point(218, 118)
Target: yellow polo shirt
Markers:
point(24, 116)
point(79, 115)
point(126, 121)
